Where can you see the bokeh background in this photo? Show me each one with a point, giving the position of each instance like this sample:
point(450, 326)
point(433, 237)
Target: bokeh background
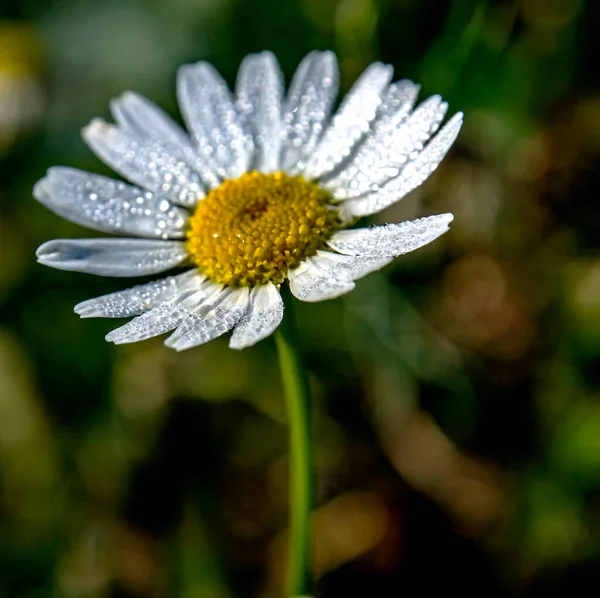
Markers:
point(457, 393)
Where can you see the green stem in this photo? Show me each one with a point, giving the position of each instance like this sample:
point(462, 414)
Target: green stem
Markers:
point(295, 384)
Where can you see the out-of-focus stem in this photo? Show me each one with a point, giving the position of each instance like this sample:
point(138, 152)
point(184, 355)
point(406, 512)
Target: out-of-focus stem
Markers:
point(297, 396)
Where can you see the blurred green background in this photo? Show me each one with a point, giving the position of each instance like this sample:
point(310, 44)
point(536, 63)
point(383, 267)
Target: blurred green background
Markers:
point(457, 393)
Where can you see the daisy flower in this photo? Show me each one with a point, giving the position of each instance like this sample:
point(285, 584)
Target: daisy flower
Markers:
point(261, 191)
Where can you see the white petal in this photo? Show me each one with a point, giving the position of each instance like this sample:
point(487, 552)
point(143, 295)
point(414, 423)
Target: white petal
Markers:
point(349, 267)
point(413, 174)
point(307, 108)
point(398, 100)
point(351, 121)
point(207, 106)
point(390, 240)
point(390, 151)
point(310, 283)
point(328, 275)
point(108, 205)
point(140, 298)
point(396, 104)
point(151, 164)
point(155, 322)
point(164, 318)
point(138, 116)
point(263, 317)
point(259, 91)
point(112, 257)
point(211, 321)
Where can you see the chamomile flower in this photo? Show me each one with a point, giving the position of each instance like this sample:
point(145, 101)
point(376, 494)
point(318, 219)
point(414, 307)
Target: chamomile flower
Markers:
point(258, 193)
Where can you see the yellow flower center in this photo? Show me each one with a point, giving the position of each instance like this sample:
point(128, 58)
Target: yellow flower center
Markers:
point(251, 230)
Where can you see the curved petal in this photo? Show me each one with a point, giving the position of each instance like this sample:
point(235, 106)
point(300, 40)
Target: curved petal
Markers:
point(263, 317)
point(351, 121)
point(211, 320)
point(138, 116)
point(164, 318)
point(148, 163)
point(140, 298)
point(307, 108)
point(390, 151)
point(259, 90)
point(397, 102)
point(310, 283)
point(349, 267)
point(328, 275)
point(112, 257)
point(207, 107)
point(390, 240)
point(105, 204)
point(413, 174)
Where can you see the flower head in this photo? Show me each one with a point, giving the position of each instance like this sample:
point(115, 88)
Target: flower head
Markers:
point(258, 193)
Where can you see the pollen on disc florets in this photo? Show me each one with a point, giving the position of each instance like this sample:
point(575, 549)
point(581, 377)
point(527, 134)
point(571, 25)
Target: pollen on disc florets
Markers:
point(251, 230)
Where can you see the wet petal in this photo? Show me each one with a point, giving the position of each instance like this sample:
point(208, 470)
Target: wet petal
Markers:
point(413, 174)
point(346, 267)
point(391, 150)
point(210, 321)
point(307, 108)
point(109, 205)
point(138, 116)
point(112, 257)
point(164, 318)
point(397, 102)
point(263, 317)
point(259, 91)
point(148, 163)
point(140, 298)
point(150, 324)
point(351, 121)
point(328, 275)
point(390, 240)
point(207, 106)
point(396, 105)
point(310, 283)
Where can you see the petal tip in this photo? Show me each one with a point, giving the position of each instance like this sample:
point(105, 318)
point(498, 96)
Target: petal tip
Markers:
point(238, 346)
point(46, 251)
point(129, 96)
point(86, 310)
point(326, 55)
point(95, 127)
point(40, 189)
point(265, 54)
point(172, 342)
point(456, 120)
point(113, 337)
